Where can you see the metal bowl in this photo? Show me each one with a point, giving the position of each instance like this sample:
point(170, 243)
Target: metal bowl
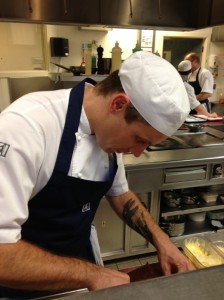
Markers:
point(173, 225)
point(171, 198)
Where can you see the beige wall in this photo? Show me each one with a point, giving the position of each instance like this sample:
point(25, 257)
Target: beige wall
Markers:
point(21, 46)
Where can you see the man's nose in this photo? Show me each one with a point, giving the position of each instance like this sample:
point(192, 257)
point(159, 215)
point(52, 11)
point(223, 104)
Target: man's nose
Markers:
point(137, 150)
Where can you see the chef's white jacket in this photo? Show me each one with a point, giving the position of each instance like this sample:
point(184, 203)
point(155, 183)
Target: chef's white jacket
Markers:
point(30, 134)
point(191, 96)
point(205, 79)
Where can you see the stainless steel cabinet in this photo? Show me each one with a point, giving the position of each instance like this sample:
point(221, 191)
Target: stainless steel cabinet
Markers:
point(66, 11)
point(217, 16)
point(149, 183)
point(163, 13)
point(51, 11)
point(111, 231)
point(117, 239)
point(168, 14)
point(14, 9)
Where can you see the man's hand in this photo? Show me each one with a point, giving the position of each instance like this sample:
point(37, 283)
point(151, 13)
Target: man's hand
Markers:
point(170, 257)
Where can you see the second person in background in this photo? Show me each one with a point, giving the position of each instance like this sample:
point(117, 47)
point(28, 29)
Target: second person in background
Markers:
point(200, 79)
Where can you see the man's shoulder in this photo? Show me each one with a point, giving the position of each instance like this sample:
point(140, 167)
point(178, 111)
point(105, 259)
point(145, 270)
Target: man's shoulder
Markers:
point(204, 71)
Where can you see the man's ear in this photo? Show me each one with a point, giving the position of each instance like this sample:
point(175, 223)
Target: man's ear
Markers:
point(119, 102)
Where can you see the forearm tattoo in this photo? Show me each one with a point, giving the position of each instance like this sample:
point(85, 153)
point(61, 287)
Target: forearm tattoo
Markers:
point(135, 219)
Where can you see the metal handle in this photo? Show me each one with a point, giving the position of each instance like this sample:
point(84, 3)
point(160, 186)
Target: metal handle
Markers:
point(131, 11)
point(65, 7)
point(30, 7)
point(159, 9)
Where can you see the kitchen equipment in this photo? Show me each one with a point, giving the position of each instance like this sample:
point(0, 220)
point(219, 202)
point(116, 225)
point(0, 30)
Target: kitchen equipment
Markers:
point(216, 214)
point(106, 65)
point(190, 199)
point(197, 217)
point(209, 197)
point(201, 252)
point(193, 119)
point(221, 198)
point(173, 225)
point(195, 127)
point(219, 246)
point(148, 271)
point(116, 57)
point(171, 198)
point(76, 70)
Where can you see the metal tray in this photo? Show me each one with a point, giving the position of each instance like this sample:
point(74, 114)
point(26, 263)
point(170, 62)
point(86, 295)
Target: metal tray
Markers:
point(202, 253)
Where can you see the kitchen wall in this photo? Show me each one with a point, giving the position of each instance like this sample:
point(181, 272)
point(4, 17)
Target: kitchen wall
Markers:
point(22, 45)
point(216, 54)
point(127, 39)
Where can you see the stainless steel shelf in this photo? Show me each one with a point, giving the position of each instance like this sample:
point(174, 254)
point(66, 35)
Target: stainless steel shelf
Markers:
point(185, 211)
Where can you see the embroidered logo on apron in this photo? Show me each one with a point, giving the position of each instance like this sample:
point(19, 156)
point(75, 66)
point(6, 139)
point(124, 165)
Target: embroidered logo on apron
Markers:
point(4, 149)
point(86, 207)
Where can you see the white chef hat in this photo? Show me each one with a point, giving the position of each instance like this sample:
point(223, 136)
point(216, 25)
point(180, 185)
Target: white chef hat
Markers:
point(156, 90)
point(184, 66)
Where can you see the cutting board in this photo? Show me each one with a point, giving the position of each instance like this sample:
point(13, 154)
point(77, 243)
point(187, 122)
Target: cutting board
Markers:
point(147, 271)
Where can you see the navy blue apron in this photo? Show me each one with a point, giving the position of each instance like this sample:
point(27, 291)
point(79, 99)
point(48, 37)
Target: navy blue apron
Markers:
point(197, 90)
point(61, 214)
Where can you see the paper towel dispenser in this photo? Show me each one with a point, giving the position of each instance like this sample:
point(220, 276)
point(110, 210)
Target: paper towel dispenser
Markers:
point(59, 47)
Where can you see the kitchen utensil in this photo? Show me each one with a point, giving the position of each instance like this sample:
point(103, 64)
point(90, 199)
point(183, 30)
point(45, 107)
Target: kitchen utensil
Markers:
point(106, 65)
point(76, 70)
point(171, 198)
point(173, 225)
point(195, 127)
point(197, 217)
point(221, 198)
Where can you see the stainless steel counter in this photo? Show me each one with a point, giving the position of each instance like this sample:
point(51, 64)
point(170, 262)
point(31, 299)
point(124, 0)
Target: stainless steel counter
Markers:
point(158, 159)
point(183, 147)
point(203, 284)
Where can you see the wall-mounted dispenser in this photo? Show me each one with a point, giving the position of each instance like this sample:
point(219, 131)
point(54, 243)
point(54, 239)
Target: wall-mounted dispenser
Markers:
point(59, 47)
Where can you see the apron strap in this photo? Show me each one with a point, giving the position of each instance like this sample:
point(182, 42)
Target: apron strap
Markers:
point(67, 144)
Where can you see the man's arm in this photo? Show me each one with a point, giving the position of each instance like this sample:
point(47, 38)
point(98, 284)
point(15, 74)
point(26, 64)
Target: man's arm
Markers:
point(203, 96)
point(25, 266)
point(134, 214)
point(202, 111)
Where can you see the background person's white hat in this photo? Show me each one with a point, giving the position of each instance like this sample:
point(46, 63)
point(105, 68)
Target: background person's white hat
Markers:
point(156, 90)
point(184, 66)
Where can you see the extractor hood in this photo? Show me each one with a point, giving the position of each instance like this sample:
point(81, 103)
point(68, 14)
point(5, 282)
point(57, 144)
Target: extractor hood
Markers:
point(139, 14)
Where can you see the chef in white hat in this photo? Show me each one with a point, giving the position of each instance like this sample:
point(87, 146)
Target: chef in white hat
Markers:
point(155, 90)
point(184, 68)
point(60, 153)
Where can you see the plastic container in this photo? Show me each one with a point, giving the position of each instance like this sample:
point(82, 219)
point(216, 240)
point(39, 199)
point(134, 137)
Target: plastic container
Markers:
point(88, 63)
point(173, 225)
point(116, 57)
point(202, 253)
point(219, 246)
point(171, 198)
point(216, 214)
point(197, 217)
point(209, 197)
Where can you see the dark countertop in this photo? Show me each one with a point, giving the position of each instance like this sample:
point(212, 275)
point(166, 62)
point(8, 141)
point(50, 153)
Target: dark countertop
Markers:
point(203, 284)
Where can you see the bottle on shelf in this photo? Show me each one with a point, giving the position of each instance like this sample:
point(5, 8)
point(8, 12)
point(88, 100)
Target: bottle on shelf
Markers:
point(137, 48)
point(83, 65)
point(116, 57)
point(100, 65)
point(94, 56)
point(88, 59)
